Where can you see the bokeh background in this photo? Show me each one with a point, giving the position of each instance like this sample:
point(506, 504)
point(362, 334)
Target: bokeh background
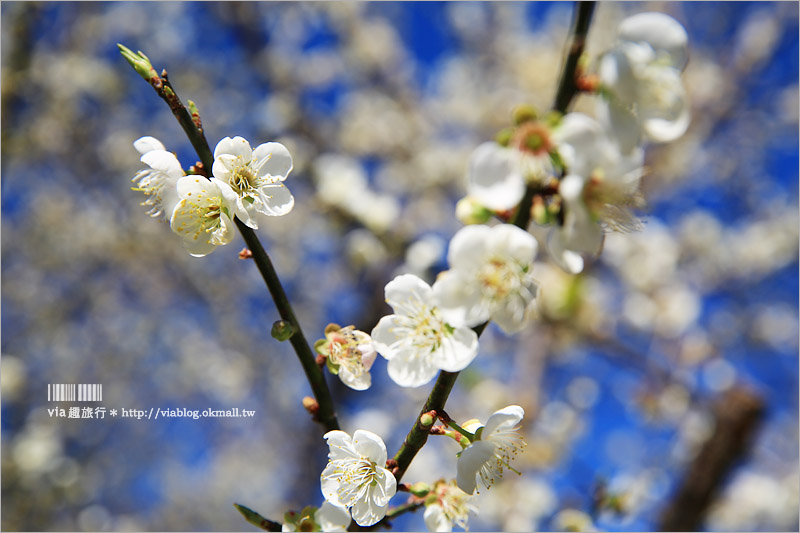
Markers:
point(678, 336)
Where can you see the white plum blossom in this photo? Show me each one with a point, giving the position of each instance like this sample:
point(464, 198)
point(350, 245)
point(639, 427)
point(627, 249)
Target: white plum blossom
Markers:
point(497, 444)
point(643, 95)
point(416, 339)
point(202, 216)
point(255, 176)
point(598, 192)
point(159, 181)
point(355, 477)
point(497, 175)
point(349, 353)
point(328, 518)
point(445, 506)
point(490, 277)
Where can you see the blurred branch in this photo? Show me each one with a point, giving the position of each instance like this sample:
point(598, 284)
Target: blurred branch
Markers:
point(567, 89)
point(737, 414)
point(190, 122)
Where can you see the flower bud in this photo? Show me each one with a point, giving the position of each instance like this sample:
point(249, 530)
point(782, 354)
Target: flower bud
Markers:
point(139, 62)
point(469, 211)
point(503, 136)
point(282, 330)
point(311, 405)
point(420, 489)
point(524, 113)
point(427, 419)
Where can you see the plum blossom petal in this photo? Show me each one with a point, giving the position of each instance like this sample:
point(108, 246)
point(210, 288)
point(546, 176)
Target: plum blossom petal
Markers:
point(417, 340)
point(494, 177)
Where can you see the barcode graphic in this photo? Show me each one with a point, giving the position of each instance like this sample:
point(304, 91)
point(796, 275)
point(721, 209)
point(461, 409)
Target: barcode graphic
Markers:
point(74, 392)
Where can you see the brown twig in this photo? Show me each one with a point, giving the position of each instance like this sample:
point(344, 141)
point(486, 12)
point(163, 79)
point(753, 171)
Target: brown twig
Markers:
point(737, 414)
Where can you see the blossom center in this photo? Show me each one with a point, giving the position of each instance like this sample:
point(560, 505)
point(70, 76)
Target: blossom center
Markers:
point(204, 212)
point(344, 350)
point(425, 329)
point(356, 480)
point(500, 278)
point(244, 177)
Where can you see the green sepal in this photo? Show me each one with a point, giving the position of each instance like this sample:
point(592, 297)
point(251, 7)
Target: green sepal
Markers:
point(321, 347)
point(333, 368)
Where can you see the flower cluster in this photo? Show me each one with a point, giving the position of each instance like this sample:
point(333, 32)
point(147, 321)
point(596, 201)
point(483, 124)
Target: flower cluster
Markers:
point(586, 172)
point(201, 210)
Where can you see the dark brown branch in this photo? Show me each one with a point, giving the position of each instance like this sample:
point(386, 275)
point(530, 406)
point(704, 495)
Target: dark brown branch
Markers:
point(737, 414)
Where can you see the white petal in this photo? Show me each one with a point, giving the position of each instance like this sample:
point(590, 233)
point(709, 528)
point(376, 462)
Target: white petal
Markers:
point(660, 31)
point(199, 248)
point(470, 463)
point(435, 519)
point(194, 187)
point(459, 299)
point(504, 419)
point(507, 240)
point(365, 513)
point(405, 292)
point(341, 446)
point(622, 124)
point(515, 314)
point(332, 518)
point(468, 247)
point(371, 446)
point(329, 484)
point(457, 350)
point(580, 139)
point(221, 168)
point(147, 144)
point(616, 73)
point(276, 200)
point(361, 382)
point(494, 178)
point(279, 160)
point(385, 337)
point(164, 161)
point(567, 260)
point(385, 487)
point(664, 110)
point(409, 369)
point(237, 147)
point(368, 355)
point(225, 233)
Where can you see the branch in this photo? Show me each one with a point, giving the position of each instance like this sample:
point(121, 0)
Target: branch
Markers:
point(737, 414)
point(190, 122)
point(567, 87)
